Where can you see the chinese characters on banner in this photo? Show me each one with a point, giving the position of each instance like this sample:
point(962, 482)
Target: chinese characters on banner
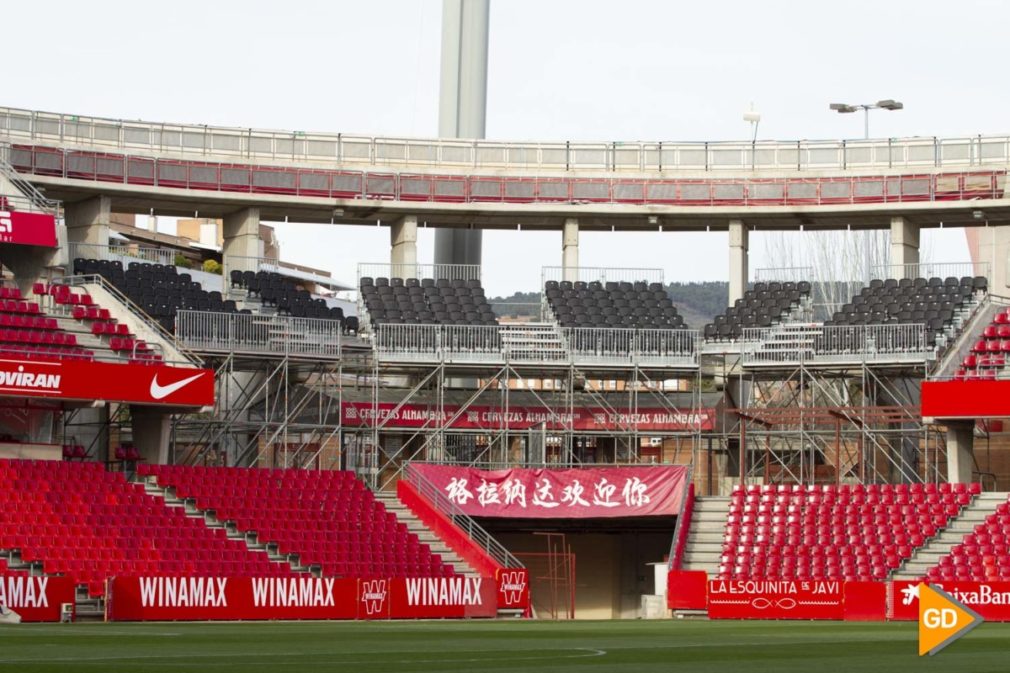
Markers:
point(587, 492)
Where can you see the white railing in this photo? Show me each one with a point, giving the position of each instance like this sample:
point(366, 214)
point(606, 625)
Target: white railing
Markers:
point(248, 143)
point(255, 333)
point(785, 274)
point(826, 344)
point(592, 345)
point(501, 343)
point(29, 198)
point(931, 270)
point(437, 271)
point(589, 274)
point(122, 253)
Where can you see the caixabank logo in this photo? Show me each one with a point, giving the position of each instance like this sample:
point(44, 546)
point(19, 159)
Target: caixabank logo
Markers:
point(942, 618)
point(373, 597)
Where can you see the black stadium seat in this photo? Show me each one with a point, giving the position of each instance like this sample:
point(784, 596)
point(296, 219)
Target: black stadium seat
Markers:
point(638, 305)
point(763, 305)
point(426, 301)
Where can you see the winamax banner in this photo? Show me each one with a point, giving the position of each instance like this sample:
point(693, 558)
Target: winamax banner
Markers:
point(523, 418)
point(587, 492)
point(989, 599)
point(263, 598)
point(775, 599)
point(35, 599)
point(23, 228)
point(81, 380)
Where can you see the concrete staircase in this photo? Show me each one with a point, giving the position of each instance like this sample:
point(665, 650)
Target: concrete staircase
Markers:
point(930, 554)
point(209, 518)
point(706, 534)
point(424, 534)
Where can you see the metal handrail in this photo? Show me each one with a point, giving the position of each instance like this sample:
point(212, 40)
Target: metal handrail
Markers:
point(134, 309)
point(465, 522)
point(30, 192)
point(273, 334)
point(927, 152)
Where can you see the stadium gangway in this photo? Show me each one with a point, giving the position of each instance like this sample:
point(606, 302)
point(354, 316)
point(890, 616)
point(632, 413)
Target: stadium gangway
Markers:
point(536, 343)
point(793, 343)
point(209, 331)
point(191, 140)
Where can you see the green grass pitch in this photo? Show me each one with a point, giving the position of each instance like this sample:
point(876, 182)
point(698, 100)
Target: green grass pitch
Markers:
point(486, 646)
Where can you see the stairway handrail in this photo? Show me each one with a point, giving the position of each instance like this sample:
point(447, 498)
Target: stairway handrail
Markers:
point(465, 522)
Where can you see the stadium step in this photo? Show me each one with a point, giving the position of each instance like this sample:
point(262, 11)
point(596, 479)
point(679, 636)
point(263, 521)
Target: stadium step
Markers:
point(209, 519)
point(532, 341)
point(424, 534)
point(705, 535)
point(929, 555)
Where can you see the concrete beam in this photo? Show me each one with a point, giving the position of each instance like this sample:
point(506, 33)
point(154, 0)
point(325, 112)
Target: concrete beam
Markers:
point(738, 271)
point(88, 220)
point(960, 451)
point(570, 249)
point(904, 247)
point(241, 232)
point(403, 247)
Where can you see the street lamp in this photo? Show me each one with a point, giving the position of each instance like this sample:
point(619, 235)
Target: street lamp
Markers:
point(886, 104)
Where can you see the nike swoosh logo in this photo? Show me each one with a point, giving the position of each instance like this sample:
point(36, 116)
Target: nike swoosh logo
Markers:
point(161, 392)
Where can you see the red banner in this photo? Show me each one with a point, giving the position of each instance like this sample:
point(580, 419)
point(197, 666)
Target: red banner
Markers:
point(775, 599)
point(82, 380)
point(263, 598)
point(587, 492)
point(23, 228)
point(513, 589)
point(965, 399)
point(585, 419)
point(35, 599)
point(989, 599)
point(687, 590)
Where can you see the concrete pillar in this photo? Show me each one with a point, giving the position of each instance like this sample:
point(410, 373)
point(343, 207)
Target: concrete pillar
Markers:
point(241, 233)
point(462, 103)
point(570, 249)
point(88, 221)
point(738, 242)
point(960, 452)
point(151, 429)
point(403, 247)
point(904, 248)
point(28, 264)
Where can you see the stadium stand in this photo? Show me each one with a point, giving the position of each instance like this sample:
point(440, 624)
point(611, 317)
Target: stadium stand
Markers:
point(983, 555)
point(764, 305)
point(328, 518)
point(26, 330)
point(943, 305)
point(81, 520)
point(283, 293)
point(425, 301)
point(989, 353)
point(159, 289)
point(612, 304)
point(859, 533)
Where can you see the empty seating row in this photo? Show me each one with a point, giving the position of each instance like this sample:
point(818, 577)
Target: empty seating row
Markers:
point(989, 353)
point(982, 555)
point(425, 301)
point(595, 304)
point(764, 305)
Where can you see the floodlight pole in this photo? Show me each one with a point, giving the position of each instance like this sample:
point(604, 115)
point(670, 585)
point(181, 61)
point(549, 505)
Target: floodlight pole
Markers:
point(886, 104)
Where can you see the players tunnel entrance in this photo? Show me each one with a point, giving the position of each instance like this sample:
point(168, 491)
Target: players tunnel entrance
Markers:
point(599, 566)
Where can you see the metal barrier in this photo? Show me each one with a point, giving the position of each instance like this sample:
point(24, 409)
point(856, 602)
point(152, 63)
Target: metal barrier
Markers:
point(29, 197)
point(436, 271)
point(826, 344)
point(248, 143)
point(931, 270)
point(256, 333)
point(786, 274)
point(474, 531)
point(592, 345)
point(588, 274)
point(122, 253)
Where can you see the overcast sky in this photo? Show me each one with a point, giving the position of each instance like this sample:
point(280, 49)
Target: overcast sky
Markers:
point(578, 70)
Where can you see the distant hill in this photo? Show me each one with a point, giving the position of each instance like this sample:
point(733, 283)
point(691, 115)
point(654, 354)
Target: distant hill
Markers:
point(699, 303)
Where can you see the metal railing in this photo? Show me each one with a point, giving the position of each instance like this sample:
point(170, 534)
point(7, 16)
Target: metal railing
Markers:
point(786, 274)
point(466, 523)
point(255, 333)
point(122, 253)
point(534, 342)
point(515, 310)
point(435, 271)
point(798, 343)
point(594, 345)
point(932, 270)
point(589, 274)
point(249, 143)
point(31, 199)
